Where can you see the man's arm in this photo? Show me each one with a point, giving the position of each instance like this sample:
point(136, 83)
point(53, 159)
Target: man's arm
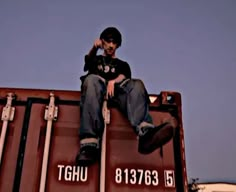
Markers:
point(92, 53)
point(119, 79)
point(111, 85)
point(125, 73)
point(97, 45)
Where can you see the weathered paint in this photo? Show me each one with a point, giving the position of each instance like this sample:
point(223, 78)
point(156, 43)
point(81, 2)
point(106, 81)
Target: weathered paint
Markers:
point(125, 169)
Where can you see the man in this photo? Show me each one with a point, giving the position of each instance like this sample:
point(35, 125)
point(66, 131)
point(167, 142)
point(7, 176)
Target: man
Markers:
point(109, 77)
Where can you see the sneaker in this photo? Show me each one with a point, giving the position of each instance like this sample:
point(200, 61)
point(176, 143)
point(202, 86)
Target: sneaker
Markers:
point(87, 156)
point(155, 137)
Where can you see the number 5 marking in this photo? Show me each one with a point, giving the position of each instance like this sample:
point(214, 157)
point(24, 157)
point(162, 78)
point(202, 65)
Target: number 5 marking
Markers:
point(169, 178)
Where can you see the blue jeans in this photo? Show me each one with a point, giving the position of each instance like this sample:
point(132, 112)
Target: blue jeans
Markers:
point(130, 95)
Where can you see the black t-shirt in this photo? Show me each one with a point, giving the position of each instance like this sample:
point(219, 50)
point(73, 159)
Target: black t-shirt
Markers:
point(107, 67)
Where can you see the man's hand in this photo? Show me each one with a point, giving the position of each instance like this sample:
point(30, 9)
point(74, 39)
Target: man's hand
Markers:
point(98, 43)
point(110, 88)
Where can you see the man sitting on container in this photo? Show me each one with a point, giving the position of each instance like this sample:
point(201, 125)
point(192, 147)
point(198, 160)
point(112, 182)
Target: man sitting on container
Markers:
point(109, 77)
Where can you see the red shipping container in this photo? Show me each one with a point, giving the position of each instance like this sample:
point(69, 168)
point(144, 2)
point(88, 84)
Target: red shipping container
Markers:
point(45, 120)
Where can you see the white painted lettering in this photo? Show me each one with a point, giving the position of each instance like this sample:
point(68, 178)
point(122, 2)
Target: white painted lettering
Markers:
point(131, 176)
point(84, 174)
point(68, 174)
point(60, 171)
point(76, 173)
point(72, 173)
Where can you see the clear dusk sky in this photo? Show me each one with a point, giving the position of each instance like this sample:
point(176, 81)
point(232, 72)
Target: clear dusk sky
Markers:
point(180, 45)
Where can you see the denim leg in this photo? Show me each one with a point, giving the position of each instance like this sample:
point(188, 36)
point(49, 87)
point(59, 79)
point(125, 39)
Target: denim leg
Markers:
point(133, 100)
point(92, 95)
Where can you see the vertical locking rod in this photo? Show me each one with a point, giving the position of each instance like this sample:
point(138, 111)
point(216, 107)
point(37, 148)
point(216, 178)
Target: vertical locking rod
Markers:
point(7, 115)
point(50, 115)
point(106, 117)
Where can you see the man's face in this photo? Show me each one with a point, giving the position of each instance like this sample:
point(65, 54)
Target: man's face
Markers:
point(109, 47)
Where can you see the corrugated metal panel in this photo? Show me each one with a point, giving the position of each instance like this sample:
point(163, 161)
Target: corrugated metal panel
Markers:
point(125, 169)
point(11, 146)
point(62, 174)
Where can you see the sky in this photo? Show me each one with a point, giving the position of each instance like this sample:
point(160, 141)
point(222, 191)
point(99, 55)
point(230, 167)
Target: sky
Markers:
point(184, 46)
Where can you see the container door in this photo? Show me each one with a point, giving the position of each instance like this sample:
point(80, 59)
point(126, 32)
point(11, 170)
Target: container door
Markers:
point(128, 170)
point(62, 174)
point(10, 145)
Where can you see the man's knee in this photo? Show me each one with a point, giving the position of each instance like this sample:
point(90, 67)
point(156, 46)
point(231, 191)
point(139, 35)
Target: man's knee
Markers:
point(138, 85)
point(92, 80)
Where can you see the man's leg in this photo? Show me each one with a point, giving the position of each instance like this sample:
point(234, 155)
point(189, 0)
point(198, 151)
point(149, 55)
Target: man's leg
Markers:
point(134, 101)
point(91, 119)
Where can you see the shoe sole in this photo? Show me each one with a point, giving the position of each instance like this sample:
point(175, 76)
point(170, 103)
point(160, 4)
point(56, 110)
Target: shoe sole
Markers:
point(155, 138)
point(84, 162)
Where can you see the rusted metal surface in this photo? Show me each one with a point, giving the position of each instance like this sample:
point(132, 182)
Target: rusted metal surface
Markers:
point(11, 148)
point(23, 155)
point(127, 169)
point(124, 168)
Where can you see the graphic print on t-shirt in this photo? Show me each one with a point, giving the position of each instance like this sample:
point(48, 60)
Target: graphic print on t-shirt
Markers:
point(107, 68)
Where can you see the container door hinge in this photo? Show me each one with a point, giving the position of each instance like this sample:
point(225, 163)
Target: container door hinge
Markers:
point(51, 111)
point(7, 115)
point(8, 111)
